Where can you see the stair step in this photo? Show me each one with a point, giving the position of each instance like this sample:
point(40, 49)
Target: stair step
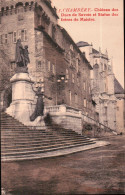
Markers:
point(42, 147)
point(40, 144)
point(40, 141)
point(19, 141)
point(44, 150)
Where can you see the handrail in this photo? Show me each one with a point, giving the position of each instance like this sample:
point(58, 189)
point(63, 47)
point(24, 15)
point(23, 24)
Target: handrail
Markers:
point(82, 113)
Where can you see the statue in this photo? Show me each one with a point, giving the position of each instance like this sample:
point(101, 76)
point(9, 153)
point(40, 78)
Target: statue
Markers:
point(26, 55)
point(21, 57)
point(39, 110)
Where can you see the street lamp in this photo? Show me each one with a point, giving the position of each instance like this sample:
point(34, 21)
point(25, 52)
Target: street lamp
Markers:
point(61, 81)
point(38, 88)
point(38, 85)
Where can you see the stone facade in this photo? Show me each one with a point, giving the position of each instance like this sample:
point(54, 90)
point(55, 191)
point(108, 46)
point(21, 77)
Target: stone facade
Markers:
point(120, 107)
point(102, 84)
point(54, 57)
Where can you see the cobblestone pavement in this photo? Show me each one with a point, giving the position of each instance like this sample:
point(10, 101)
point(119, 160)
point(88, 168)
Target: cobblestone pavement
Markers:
point(96, 171)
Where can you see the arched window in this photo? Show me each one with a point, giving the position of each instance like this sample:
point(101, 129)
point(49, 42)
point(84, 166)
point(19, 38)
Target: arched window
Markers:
point(105, 67)
point(76, 98)
point(96, 71)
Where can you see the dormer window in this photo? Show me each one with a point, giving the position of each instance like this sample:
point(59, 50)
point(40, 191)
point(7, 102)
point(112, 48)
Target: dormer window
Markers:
point(71, 47)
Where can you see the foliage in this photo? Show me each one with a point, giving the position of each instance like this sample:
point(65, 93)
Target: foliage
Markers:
point(48, 119)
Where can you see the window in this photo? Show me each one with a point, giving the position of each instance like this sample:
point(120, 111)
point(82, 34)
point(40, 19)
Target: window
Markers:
point(6, 38)
point(73, 78)
point(1, 39)
point(71, 47)
point(22, 34)
point(39, 65)
point(69, 57)
point(96, 72)
point(76, 98)
point(78, 83)
point(84, 85)
point(84, 103)
point(105, 67)
point(48, 65)
point(117, 108)
point(106, 123)
point(25, 35)
point(77, 64)
point(19, 34)
point(14, 37)
point(101, 67)
point(89, 89)
point(105, 110)
point(10, 37)
point(67, 74)
point(53, 32)
point(39, 20)
point(70, 96)
point(53, 68)
point(20, 10)
point(13, 65)
point(20, 17)
point(105, 86)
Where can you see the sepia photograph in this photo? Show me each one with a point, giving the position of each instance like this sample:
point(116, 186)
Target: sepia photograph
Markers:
point(62, 97)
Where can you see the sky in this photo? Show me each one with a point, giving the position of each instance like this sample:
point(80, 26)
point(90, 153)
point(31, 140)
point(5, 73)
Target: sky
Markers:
point(105, 32)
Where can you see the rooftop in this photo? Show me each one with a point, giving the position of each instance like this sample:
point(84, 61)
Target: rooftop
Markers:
point(82, 44)
point(118, 88)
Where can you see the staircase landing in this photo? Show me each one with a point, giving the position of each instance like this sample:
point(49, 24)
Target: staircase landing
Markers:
point(19, 142)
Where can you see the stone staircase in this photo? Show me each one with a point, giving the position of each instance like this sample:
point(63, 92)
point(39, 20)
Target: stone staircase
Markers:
point(19, 142)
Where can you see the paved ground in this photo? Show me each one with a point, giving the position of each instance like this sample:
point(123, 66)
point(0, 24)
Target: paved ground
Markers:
point(97, 171)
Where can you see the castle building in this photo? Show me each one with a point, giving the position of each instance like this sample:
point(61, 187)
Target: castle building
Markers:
point(120, 107)
point(55, 59)
point(102, 84)
point(76, 75)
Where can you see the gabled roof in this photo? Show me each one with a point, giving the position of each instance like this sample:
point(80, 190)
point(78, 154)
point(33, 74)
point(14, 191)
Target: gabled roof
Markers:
point(82, 44)
point(117, 87)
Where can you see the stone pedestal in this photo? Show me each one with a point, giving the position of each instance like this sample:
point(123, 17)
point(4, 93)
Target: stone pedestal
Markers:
point(23, 97)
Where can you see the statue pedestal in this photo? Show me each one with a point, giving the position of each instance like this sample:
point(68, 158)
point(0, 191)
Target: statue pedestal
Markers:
point(23, 97)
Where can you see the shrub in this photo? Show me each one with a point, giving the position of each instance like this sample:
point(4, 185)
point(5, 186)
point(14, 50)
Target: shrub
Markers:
point(48, 119)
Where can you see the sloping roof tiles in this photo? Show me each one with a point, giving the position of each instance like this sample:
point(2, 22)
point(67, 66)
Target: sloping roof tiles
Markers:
point(117, 87)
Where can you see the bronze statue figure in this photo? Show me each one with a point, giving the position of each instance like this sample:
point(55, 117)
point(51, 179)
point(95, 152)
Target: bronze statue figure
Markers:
point(26, 55)
point(39, 110)
point(22, 56)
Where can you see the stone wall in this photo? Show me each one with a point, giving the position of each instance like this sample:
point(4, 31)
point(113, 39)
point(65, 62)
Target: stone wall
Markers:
point(120, 113)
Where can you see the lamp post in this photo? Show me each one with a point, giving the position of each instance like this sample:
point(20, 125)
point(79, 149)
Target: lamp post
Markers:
point(39, 84)
point(38, 88)
point(61, 81)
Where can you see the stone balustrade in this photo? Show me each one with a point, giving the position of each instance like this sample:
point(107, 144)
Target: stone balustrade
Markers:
point(71, 118)
point(62, 109)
